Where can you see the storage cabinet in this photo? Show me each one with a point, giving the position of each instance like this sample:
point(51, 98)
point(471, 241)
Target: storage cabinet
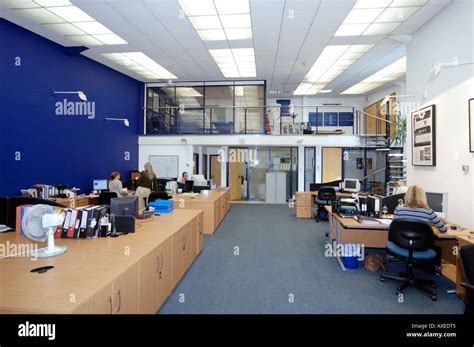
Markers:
point(303, 205)
point(99, 303)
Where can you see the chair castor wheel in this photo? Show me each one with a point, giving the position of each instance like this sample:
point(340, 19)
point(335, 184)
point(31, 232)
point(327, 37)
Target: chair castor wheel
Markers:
point(434, 297)
point(433, 286)
point(398, 291)
point(382, 279)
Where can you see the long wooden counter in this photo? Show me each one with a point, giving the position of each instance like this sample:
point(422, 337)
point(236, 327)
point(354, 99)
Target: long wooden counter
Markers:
point(132, 273)
point(215, 206)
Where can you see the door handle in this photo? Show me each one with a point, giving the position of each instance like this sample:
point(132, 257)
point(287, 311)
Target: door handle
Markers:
point(110, 304)
point(120, 300)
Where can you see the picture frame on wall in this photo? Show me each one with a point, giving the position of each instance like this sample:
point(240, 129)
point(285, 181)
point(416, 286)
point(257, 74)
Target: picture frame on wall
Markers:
point(423, 134)
point(471, 125)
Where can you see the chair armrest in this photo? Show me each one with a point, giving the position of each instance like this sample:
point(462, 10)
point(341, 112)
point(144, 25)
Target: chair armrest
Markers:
point(467, 285)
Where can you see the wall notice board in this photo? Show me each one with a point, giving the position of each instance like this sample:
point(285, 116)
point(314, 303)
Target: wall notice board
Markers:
point(165, 166)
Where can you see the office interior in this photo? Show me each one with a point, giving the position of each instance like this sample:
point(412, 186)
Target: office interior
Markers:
point(265, 105)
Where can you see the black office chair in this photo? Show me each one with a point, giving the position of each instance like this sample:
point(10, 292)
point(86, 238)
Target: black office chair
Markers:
point(13, 201)
point(326, 195)
point(158, 196)
point(467, 261)
point(105, 196)
point(412, 240)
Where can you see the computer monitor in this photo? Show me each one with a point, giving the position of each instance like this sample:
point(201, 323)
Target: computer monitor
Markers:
point(198, 189)
point(392, 202)
point(124, 206)
point(188, 186)
point(100, 184)
point(438, 202)
point(351, 185)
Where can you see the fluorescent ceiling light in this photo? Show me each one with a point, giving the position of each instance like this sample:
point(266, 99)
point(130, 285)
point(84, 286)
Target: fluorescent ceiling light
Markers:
point(236, 21)
point(232, 6)
point(92, 28)
point(380, 29)
point(198, 8)
point(212, 35)
point(379, 78)
point(40, 15)
point(65, 29)
point(71, 14)
point(332, 61)
point(238, 34)
point(85, 40)
point(351, 29)
point(237, 62)
point(205, 22)
point(141, 64)
point(403, 3)
point(396, 14)
point(362, 16)
point(49, 3)
point(68, 20)
point(16, 4)
point(219, 20)
point(372, 3)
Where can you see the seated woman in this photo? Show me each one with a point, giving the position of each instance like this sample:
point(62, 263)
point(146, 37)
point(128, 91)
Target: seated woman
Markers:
point(417, 207)
point(183, 178)
point(115, 184)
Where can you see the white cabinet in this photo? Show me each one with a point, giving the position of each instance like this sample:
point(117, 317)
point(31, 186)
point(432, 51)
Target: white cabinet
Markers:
point(276, 187)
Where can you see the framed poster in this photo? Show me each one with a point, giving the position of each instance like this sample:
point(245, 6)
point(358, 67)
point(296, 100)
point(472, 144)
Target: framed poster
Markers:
point(471, 125)
point(423, 134)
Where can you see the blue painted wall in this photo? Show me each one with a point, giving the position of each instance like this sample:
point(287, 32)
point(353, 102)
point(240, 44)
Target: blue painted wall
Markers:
point(56, 148)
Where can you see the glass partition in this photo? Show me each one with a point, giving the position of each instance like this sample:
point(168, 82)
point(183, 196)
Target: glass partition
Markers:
point(205, 108)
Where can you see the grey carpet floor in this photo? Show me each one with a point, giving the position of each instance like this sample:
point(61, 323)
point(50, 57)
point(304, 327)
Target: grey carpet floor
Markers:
point(281, 268)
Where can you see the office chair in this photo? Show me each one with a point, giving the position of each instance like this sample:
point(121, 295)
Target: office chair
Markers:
point(14, 201)
point(467, 261)
point(158, 196)
point(326, 195)
point(105, 196)
point(411, 240)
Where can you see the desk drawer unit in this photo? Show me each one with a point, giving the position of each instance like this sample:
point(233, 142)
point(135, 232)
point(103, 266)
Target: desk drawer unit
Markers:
point(303, 205)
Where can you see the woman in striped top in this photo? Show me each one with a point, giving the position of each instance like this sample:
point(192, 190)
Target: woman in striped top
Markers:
point(417, 207)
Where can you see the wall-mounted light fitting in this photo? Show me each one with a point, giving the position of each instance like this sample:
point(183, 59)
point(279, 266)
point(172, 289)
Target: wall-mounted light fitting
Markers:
point(124, 120)
point(80, 94)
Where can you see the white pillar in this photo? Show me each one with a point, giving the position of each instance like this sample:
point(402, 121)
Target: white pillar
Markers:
point(200, 161)
point(301, 169)
point(319, 164)
point(224, 158)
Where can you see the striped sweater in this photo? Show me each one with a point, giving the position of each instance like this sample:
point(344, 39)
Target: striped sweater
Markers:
point(420, 213)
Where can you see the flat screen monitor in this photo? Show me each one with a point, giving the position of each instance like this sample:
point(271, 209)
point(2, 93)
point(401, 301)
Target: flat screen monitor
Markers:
point(124, 206)
point(100, 184)
point(351, 185)
point(437, 202)
point(188, 185)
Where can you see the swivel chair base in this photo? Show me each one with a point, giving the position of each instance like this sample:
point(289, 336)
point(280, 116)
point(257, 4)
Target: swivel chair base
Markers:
point(408, 280)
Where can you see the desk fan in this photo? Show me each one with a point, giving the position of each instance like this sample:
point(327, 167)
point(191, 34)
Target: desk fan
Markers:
point(39, 223)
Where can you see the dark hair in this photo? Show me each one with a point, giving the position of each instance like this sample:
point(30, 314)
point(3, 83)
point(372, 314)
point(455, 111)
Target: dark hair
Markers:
point(114, 174)
point(184, 172)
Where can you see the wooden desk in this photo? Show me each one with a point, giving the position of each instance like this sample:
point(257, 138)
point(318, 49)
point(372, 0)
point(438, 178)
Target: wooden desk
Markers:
point(133, 273)
point(78, 201)
point(215, 206)
point(305, 202)
point(463, 240)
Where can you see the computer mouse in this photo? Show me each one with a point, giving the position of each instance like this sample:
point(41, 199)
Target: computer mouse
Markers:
point(453, 227)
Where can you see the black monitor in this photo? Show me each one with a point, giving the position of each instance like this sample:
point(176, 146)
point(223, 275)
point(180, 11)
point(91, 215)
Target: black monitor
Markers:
point(188, 186)
point(314, 187)
point(124, 206)
point(197, 189)
point(392, 202)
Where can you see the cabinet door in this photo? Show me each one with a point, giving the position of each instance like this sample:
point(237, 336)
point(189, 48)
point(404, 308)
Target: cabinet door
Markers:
point(125, 292)
point(193, 240)
point(149, 266)
point(99, 303)
point(164, 271)
point(200, 232)
point(177, 253)
point(187, 258)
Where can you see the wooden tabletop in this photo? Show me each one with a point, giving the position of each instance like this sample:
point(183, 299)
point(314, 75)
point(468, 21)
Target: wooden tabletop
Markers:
point(86, 267)
point(211, 196)
point(351, 223)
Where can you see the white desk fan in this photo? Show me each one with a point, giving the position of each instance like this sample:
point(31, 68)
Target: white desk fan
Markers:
point(39, 223)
